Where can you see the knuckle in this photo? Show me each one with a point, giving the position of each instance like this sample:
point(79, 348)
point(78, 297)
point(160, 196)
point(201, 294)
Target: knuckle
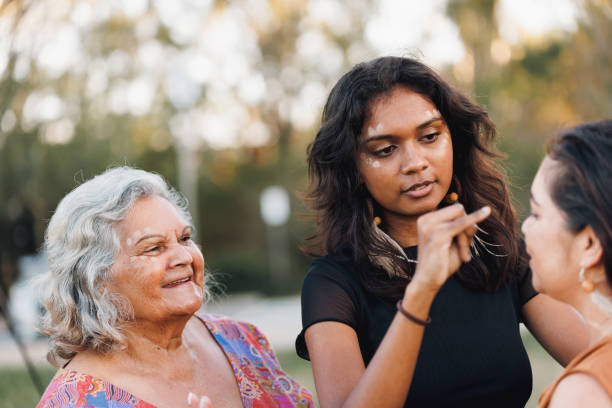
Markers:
point(422, 221)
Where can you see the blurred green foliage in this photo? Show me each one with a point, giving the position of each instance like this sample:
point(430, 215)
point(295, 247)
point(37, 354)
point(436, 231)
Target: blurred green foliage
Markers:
point(545, 85)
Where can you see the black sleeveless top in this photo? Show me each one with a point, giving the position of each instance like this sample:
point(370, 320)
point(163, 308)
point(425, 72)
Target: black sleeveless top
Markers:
point(471, 354)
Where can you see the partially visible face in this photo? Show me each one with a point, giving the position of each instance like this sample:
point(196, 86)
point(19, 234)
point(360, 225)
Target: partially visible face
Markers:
point(160, 270)
point(549, 242)
point(406, 154)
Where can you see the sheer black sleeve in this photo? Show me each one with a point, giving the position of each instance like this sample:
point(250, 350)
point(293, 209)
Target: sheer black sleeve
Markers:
point(327, 295)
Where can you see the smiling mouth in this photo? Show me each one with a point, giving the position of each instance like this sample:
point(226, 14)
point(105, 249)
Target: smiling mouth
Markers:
point(177, 282)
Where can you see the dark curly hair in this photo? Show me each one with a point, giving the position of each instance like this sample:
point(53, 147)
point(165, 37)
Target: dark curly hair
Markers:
point(339, 199)
point(581, 187)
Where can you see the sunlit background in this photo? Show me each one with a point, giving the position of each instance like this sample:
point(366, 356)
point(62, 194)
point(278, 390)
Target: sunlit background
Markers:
point(223, 97)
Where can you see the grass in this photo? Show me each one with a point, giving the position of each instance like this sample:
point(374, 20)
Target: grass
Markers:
point(17, 390)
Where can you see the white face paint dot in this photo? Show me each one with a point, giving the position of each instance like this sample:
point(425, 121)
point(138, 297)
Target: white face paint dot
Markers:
point(376, 164)
point(432, 113)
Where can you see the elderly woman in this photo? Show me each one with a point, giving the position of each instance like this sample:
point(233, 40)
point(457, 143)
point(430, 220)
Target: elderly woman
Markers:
point(122, 295)
point(569, 239)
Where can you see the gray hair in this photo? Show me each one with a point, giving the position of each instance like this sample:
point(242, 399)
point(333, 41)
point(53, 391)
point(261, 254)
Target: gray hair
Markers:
point(81, 244)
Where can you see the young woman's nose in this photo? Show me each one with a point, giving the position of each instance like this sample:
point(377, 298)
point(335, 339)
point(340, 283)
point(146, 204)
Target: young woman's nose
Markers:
point(413, 159)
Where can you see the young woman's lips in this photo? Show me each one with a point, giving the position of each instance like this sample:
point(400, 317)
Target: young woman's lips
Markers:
point(419, 190)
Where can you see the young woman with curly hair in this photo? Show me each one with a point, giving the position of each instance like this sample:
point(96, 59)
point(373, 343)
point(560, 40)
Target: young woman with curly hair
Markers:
point(410, 302)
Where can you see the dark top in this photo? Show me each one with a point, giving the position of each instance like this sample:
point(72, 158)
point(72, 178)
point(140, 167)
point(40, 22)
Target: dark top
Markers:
point(471, 354)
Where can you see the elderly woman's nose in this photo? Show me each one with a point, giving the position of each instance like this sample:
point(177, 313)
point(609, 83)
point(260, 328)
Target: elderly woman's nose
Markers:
point(180, 255)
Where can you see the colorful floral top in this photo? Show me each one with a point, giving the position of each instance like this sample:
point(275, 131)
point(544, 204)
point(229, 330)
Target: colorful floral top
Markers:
point(258, 374)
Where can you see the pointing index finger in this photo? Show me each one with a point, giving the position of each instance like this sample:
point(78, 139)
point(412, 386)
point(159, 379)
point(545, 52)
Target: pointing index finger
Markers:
point(469, 220)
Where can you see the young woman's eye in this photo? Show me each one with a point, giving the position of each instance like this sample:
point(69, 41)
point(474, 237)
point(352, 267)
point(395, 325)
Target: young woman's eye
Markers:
point(533, 215)
point(430, 137)
point(385, 151)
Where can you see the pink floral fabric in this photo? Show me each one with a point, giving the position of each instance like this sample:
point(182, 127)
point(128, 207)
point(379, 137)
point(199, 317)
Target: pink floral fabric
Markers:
point(261, 381)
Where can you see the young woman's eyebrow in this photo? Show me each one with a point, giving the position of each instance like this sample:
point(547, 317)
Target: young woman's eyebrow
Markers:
point(429, 122)
point(385, 136)
point(374, 138)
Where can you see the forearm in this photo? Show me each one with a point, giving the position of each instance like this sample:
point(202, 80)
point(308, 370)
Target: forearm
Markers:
point(387, 379)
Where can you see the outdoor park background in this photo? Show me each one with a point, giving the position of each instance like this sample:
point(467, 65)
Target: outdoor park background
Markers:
point(222, 99)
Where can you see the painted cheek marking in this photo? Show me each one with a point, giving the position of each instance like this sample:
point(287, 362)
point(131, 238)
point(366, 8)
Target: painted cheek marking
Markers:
point(138, 234)
point(432, 113)
point(135, 236)
point(372, 131)
point(372, 163)
point(137, 260)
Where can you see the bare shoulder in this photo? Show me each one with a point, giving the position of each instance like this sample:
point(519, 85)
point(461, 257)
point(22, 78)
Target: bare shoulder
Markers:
point(580, 390)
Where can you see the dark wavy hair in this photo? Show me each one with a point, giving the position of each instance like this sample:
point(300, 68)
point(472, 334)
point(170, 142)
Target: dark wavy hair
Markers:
point(582, 186)
point(339, 199)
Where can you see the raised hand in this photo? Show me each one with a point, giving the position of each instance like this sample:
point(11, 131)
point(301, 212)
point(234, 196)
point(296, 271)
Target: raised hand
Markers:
point(444, 239)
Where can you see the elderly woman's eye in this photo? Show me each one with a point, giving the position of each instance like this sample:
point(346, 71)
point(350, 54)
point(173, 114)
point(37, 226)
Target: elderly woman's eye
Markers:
point(152, 249)
point(186, 238)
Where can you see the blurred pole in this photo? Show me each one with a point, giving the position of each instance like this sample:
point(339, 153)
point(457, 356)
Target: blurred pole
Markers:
point(187, 163)
point(275, 210)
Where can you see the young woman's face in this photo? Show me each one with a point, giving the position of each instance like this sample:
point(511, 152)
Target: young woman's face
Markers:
point(406, 154)
point(550, 244)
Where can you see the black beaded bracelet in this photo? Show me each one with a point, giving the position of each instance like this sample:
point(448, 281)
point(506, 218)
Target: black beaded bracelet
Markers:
point(411, 317)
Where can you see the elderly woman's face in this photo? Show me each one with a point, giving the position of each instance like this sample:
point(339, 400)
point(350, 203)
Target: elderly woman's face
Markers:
point(160, 270)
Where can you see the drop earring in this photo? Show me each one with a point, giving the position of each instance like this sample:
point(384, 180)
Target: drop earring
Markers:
point(587, 285)
point(451, 198)
point(454, 191)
